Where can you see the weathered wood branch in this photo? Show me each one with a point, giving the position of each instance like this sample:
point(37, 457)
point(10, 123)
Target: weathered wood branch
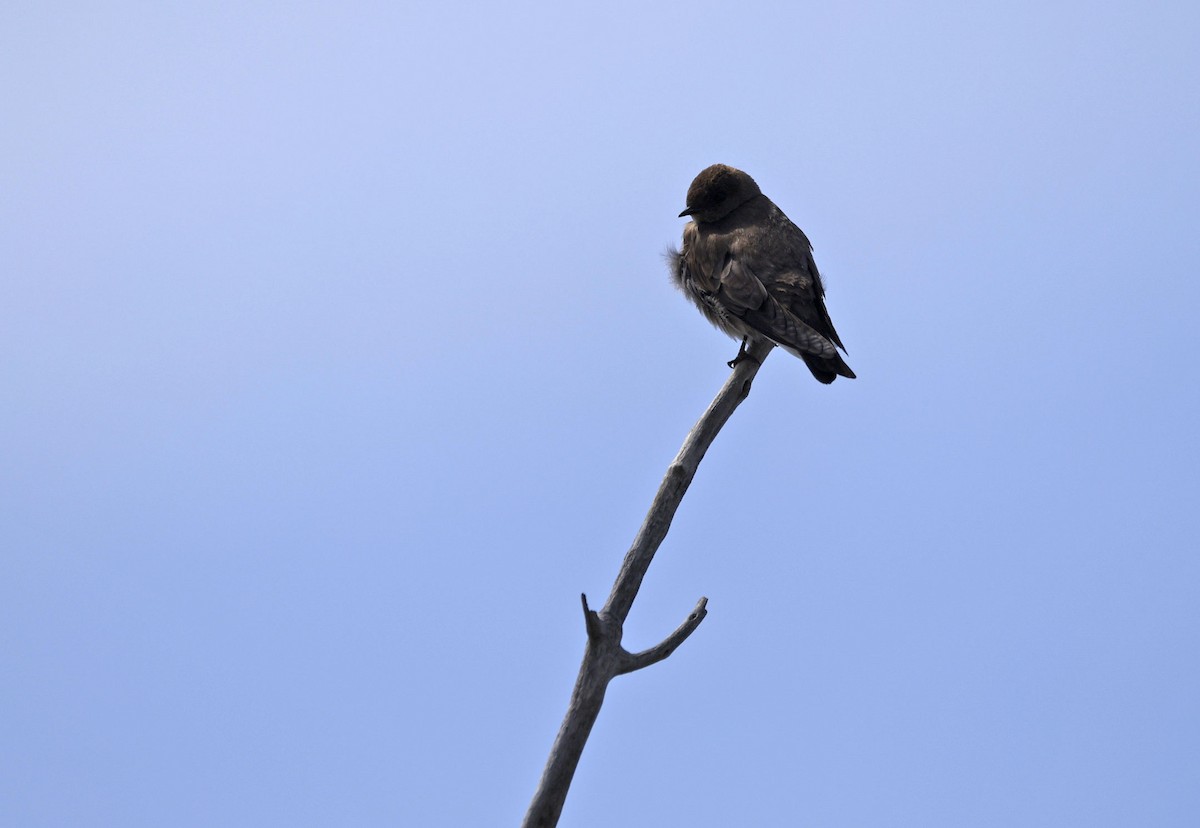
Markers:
point(604, 657)
point(636, 661)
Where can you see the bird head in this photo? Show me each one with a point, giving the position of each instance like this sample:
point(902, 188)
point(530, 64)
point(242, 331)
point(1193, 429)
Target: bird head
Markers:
point(717, 191)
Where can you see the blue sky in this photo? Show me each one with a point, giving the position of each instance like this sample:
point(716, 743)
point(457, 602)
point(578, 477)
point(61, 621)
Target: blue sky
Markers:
point(339, 357)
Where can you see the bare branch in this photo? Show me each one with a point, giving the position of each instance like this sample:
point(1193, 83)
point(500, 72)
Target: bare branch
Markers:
point(604, 657)
point(678, 478)
point(636, 661)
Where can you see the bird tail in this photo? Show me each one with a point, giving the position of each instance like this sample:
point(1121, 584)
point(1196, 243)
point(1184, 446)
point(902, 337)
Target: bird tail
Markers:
point(826, 370)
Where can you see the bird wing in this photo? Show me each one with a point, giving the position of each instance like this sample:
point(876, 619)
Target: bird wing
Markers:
point(743, 294)
point(800, 290)
point(793, 277)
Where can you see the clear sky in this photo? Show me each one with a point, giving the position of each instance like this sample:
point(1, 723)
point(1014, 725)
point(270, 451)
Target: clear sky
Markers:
point(338, 356)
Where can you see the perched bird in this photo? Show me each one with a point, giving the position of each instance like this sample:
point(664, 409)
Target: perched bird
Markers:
point(751, 273)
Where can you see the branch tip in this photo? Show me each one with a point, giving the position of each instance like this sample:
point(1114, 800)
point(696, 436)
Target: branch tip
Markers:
point(590, 619)
point(636, 661)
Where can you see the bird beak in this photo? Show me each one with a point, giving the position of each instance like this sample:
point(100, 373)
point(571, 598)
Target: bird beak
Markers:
point(686, 212)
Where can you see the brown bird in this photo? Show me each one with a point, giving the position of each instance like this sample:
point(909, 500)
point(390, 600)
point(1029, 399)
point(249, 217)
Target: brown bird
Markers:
point(751, 273)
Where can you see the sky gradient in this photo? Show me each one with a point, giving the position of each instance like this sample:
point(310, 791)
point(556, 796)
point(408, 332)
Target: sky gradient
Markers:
point(340, 356)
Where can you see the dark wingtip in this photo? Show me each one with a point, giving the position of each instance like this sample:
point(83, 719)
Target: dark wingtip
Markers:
point(826, 371)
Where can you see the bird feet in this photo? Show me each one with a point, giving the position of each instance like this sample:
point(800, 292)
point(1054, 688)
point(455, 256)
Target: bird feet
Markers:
point(742, 356)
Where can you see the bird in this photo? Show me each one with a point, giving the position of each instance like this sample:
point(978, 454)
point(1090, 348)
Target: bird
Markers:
point(751, 273)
